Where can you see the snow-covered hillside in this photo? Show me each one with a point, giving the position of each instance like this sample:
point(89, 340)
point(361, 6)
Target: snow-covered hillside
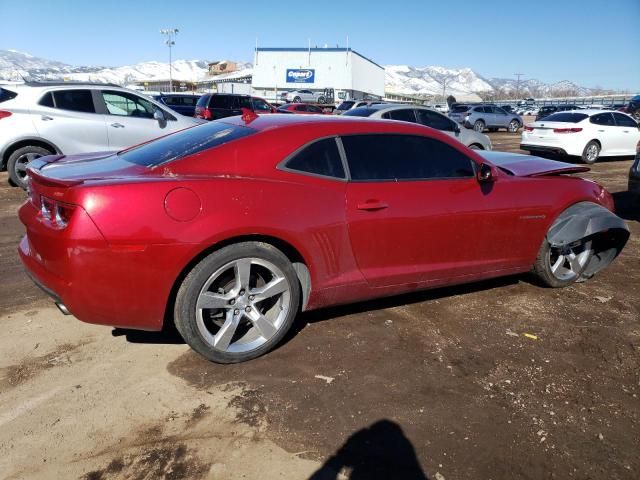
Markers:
point(400, 79)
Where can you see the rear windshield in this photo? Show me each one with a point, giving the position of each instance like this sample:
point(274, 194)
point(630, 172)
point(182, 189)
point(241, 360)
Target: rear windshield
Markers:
point(566, 117)
point(359, 112)
point(6, 95)
point(345, 105)
point(203, 100)
point(184, 143)
point(460, 108)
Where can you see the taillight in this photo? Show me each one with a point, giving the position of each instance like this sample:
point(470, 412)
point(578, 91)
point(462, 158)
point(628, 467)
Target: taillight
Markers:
point(207, 114)
point(567, 130)
point(4, 114)
point(527, 128)
point(56, 213)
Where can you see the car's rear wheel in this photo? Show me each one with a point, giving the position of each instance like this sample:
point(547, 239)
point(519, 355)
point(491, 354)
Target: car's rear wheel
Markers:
point(475, 146)
point(561, 266)
point(591, 152)
point(321, 100)
point(238, 302)
point(18, 161)
point(478, 126)
point(297, 99)
point(514, 126)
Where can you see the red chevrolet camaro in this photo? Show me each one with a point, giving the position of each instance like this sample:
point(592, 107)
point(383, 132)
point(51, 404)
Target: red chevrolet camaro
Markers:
point(231, 228)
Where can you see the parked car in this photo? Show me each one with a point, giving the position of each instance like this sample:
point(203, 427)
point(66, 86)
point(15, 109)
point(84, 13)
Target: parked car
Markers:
point(633, 108)
point(634, 174)
point(589, 134)
point(547, 110)
point(184, 104)
point(231, 228)
point(301, 108)
point(481, 117)
point(424, 116)
point(298, 96)
point(508, 108)
point(44, 118)
point(441, 107)
point(212, 106)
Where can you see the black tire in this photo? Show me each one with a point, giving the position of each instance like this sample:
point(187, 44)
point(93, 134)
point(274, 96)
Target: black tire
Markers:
point(321, 100)
point(514, 126)
point(18, 160)
point(187, 297)
point(542, 268)
point(588, 155)
point(479, 126)
point(297, 99)
point(476, 146)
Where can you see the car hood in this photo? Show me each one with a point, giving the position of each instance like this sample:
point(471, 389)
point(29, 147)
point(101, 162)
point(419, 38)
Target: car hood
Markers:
point(529, 165)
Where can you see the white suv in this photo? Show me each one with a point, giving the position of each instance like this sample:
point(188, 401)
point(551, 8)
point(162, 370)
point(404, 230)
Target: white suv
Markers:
point(38, 119)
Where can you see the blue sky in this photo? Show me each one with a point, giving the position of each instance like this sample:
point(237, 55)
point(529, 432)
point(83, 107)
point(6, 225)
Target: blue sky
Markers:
point(590, 42)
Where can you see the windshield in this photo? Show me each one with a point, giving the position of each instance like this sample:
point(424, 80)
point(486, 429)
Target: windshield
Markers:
point(184, 143)
point(566, 117)
point(6, 95)
point(345, 105)
point(460, 108)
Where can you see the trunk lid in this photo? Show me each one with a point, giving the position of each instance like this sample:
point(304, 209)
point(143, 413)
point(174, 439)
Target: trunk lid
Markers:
point(529, 165)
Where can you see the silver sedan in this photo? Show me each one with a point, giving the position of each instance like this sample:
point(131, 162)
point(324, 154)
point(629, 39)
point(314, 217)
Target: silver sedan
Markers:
point(424, 116)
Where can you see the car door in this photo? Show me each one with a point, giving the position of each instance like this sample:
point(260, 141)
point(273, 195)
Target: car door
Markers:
point(628, 135)
point(501, 118)
point(490, 116)
point(68, 119)
point(605, 132)
point(130, 119)
point(414, 210)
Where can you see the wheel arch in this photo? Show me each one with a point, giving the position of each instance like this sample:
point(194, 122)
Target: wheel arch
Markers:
point(24, 142)
point(300, 266)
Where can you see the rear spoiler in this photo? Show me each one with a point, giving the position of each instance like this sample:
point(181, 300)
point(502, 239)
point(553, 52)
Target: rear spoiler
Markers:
point(34, 172)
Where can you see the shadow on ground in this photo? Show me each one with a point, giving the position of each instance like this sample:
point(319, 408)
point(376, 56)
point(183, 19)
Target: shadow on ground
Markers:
point(380, 451)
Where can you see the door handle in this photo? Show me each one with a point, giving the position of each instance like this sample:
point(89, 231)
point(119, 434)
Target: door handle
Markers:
point(601, 130)
point(117, 125)
point(372, 205)
point(46, 118)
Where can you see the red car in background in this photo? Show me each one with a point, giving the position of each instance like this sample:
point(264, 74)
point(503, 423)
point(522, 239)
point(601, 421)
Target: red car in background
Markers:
point(301, 108)
point(231, 228)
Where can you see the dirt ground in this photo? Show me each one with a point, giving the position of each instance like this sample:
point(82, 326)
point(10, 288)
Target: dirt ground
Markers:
point(439, 384)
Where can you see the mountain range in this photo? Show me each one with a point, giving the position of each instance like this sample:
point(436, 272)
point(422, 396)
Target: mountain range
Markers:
point(400, 79)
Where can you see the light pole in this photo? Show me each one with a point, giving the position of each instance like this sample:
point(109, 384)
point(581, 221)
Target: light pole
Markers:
point(169, 34)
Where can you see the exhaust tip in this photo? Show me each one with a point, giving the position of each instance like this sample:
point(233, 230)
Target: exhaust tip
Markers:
point(63, 308)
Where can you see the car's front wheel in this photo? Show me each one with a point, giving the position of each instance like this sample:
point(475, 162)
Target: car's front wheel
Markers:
point(297, 99)
point(561, 266)
point(321, 100)
point(238, 302)
point(513, 126)
point(18, 161)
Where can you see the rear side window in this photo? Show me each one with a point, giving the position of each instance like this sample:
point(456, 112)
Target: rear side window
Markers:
point(459, 108)
point(6, 95)
point(46, 100)
point(566, 117)
point(345, 105)
point(76, 100)
point(203, 101)
point(260, 105)
point(127, 105)
point(318, 158)
point(221, 101)
point(403, 157)
point(184, 143)
point(603, 119)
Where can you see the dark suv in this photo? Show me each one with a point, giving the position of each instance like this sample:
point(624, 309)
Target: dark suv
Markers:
point(212, 106)
point(547, 110)
point(184, 104)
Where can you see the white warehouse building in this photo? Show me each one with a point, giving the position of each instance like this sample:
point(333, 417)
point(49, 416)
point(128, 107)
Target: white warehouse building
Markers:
point(349, 73)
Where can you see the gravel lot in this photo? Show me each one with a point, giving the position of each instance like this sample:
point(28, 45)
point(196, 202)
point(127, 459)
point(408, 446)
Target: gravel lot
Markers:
point(438, 384)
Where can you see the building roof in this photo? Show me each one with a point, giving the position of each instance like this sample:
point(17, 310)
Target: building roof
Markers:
point(316, 49)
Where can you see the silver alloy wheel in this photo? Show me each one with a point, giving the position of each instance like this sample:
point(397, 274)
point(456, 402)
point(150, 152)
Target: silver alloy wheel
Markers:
point(242, 305)
point(568, 262)
point(479, 126)
point(592, 152)
point(513, 126)
point(22, 162)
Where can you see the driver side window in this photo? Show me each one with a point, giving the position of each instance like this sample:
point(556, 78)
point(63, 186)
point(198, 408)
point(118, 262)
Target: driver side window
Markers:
point(127, 105)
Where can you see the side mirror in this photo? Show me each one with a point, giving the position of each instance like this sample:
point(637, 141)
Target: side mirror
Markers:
point(159, 115)
point(484, 174)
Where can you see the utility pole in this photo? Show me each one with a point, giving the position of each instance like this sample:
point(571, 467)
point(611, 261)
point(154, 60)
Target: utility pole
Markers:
point(169, 34)
point(518, 85)
point(444, 89)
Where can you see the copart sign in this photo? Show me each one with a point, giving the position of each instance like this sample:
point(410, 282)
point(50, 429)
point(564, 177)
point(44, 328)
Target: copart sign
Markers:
point(300, 75)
